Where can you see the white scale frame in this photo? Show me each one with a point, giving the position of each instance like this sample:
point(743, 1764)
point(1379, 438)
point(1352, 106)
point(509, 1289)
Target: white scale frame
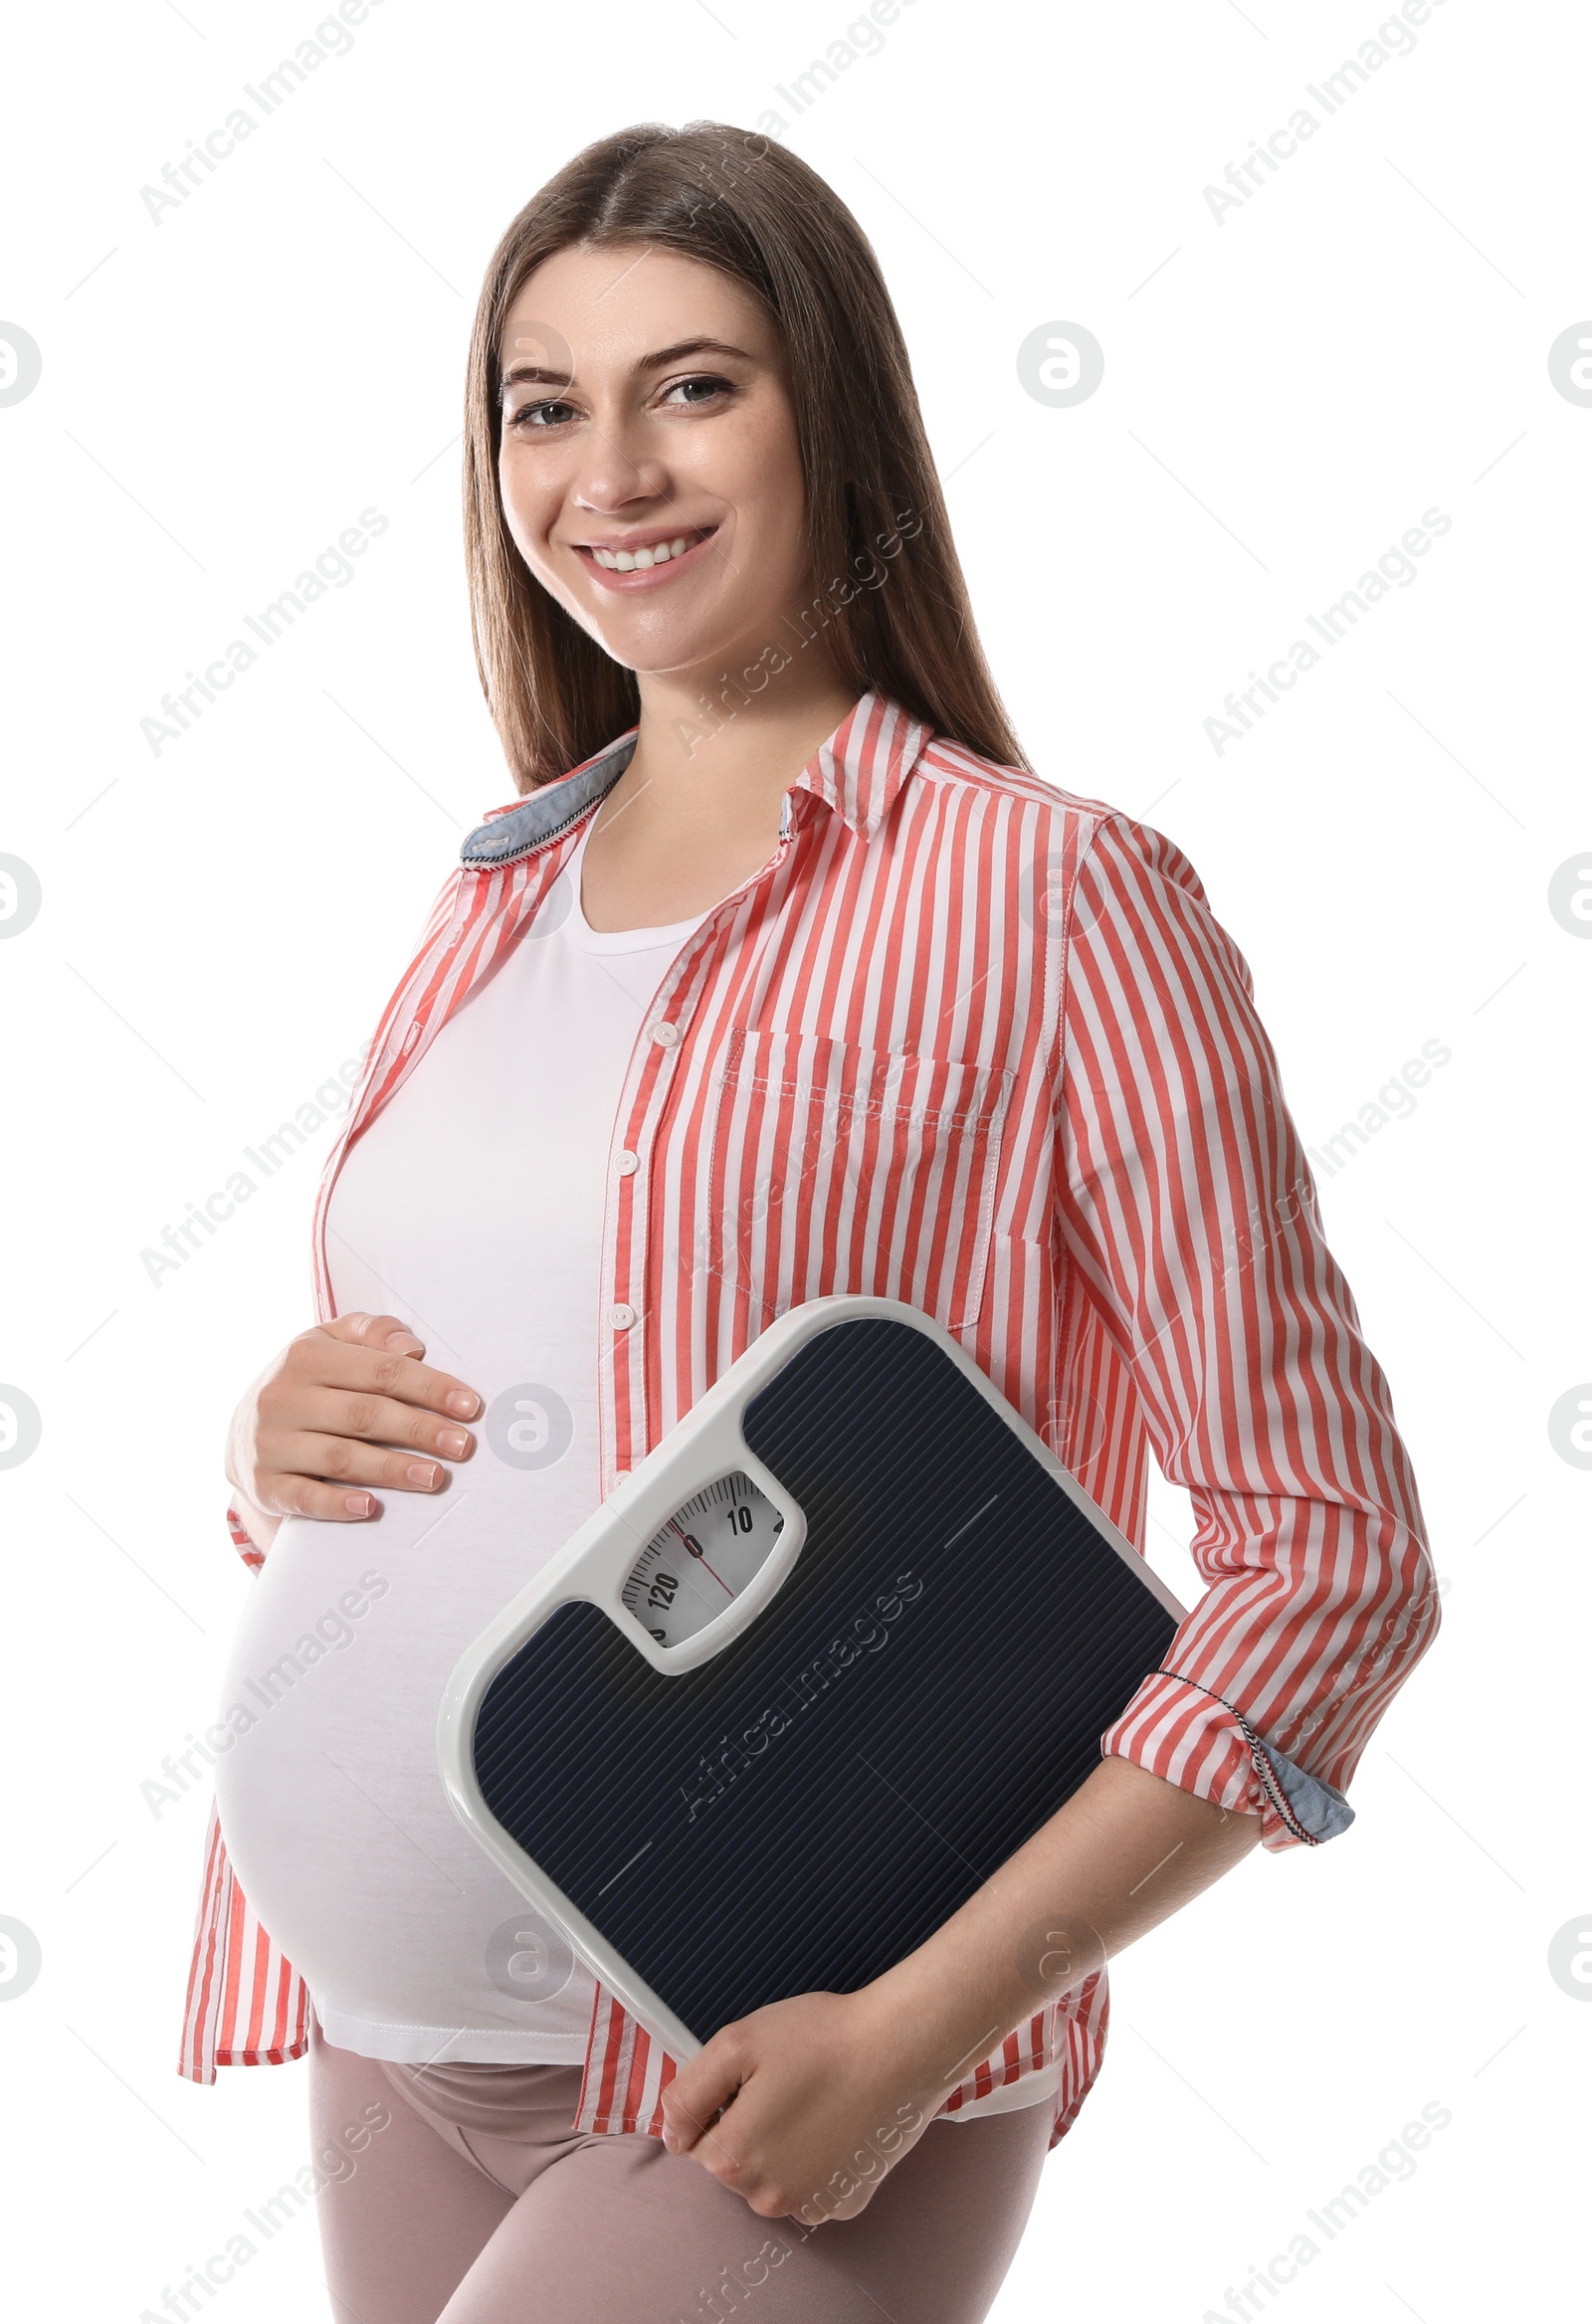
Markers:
point(599, 1558)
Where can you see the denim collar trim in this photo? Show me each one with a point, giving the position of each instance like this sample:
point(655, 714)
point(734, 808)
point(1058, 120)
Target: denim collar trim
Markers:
point(548, 810)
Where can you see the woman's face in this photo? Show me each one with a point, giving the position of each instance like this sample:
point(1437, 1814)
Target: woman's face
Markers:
point(645, 403)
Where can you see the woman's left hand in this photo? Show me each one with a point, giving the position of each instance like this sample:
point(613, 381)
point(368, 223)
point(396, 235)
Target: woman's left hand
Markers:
point(820, 2095)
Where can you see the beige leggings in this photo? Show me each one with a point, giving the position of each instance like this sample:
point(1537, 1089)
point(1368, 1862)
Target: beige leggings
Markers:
point(475, 2203)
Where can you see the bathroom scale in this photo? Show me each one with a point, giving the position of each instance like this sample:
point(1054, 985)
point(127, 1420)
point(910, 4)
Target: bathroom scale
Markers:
point(844, 1639)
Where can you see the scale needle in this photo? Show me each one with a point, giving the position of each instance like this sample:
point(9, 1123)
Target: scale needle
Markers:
point(694, 1552)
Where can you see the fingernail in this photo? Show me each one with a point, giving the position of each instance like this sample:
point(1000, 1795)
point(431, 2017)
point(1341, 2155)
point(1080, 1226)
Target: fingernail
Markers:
point(463, 1401)
point(421, 1472)
point(358, 1504)
point(454, 1440)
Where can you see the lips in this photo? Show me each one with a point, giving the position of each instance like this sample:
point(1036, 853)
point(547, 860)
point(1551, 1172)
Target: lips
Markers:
point(656, 538)
point(698, 539)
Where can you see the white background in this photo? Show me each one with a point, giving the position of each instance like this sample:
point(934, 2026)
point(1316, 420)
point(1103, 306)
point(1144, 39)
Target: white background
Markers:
point(1286, 391)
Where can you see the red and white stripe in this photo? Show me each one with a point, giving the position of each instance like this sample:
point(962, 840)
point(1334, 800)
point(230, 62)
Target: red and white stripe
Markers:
point(978, 1043)
point(245, 2004)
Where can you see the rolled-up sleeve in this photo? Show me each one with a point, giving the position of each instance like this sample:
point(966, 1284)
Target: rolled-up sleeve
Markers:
point(1190, 1215)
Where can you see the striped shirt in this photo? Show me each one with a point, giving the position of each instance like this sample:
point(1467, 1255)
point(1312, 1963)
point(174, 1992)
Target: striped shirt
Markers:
point(979, 1044)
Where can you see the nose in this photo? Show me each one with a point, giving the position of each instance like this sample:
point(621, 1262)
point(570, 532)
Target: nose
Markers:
point(617, 470)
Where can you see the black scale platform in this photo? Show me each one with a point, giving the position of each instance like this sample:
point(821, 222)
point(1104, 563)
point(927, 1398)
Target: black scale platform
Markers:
point(815, 1859)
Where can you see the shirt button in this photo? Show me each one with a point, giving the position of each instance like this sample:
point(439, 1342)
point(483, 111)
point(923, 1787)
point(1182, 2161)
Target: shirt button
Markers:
point(666, 1033)
point(627, 1163)
point(621, 1317)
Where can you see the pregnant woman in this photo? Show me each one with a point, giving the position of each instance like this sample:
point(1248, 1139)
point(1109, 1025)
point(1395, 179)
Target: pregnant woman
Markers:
point(782, 975)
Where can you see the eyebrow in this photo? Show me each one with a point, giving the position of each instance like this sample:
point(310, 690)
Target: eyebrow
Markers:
point(550, 375)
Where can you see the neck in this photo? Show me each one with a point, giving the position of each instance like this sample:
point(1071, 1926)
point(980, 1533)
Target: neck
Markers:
point(719, 751)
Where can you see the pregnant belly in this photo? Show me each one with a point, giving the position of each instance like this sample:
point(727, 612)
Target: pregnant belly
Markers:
point(331, 1806)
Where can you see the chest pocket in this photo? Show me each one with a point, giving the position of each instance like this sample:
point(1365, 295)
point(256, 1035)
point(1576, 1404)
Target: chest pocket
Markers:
point(836, 1168)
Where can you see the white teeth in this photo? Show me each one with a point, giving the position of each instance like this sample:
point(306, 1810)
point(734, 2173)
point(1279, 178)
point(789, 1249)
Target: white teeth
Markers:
point(622, 560)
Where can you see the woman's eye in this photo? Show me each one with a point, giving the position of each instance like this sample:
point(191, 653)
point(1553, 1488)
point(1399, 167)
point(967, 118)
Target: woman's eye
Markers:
point(526, 415)
point(706, 382)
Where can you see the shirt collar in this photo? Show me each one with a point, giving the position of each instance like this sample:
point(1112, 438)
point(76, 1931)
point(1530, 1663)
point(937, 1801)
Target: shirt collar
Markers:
point(857, 772)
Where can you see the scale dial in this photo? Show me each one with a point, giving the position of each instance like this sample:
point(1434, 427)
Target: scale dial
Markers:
point(702, 1559)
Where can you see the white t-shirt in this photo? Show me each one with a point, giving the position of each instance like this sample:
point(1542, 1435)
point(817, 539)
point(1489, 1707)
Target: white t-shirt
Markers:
point(472, 1208)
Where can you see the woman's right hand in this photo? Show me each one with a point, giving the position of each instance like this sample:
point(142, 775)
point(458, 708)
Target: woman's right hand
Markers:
point(318, 1422)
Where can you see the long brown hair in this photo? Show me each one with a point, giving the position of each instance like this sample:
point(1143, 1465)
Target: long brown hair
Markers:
point(743, 204)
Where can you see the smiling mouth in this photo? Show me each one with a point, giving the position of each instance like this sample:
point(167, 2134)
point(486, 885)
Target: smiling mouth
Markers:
point(666, 549)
